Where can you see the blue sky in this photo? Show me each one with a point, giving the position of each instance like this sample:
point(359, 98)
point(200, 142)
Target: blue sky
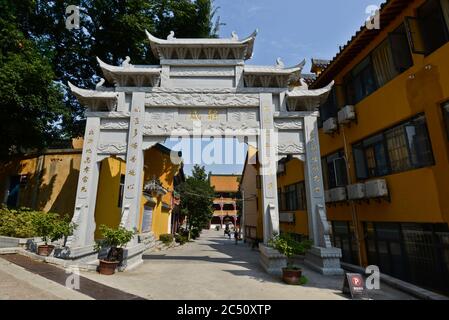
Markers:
point(291, 29)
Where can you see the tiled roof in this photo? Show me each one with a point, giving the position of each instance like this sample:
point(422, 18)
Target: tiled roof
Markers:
point(389, 10)
point(320, 63)
point(225, 183)
point(309, 78)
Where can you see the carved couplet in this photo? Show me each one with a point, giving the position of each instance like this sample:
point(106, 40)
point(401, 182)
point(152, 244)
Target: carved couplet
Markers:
point(134, 163)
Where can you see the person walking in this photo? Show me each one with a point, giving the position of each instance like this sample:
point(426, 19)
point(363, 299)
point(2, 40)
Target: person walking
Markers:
point(236, 235)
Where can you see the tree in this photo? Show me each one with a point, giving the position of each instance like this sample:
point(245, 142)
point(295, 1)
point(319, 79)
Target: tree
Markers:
point(30, 102)
point(110, 29)
point(197, 199)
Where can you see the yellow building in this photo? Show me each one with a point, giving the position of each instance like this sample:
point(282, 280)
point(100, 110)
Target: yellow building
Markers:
point(225, 202)
point(48, 182)
point(384, 138)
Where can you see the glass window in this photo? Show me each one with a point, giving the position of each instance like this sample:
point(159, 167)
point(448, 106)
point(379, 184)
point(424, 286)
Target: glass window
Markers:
point(446, 116)
point(121, 191)
point(383, 63)
point(363, 80)
point(335, 171)
point(433, 25)
point(291, 200)
point(301, 190)
point(403, 147)
point(400, 49)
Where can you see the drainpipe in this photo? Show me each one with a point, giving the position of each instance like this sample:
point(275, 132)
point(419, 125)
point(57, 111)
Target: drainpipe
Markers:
point(355, 220)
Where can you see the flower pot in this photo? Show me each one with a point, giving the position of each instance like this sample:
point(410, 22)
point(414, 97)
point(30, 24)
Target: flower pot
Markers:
point(291, 276)
point(45, 250)
point(107, 267)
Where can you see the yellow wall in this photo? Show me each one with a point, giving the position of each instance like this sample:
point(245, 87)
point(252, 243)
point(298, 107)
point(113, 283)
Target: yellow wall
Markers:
point(294, 174)
point(107, 211)
point(158, 164)
point(419, 195)
point(52, 180)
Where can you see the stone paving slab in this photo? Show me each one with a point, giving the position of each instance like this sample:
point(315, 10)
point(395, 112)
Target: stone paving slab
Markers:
point(59, 276)
point(214, 268)
point(18, 284)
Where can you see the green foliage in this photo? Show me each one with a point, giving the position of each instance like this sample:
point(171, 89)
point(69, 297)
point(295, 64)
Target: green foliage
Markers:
point(110, 29)
point(289, 247)
point(46, 226)
point(114, 237)
point(64, 228)
point(181, 239)
point(167, 239)
point(30, 102)
point(197, 199)
point(17, 223)
point(195, 233)
point(27, 223)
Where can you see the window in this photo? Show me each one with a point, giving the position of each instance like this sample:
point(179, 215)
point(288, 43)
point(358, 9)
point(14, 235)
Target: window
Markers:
point(121, 191)
point(446, 117)
point(401, 148)
point(430, 29)
point(360, 82)
point(330, 108)
point(400, 49)
point(334, 170)
point(344, 238)
point(294, 197)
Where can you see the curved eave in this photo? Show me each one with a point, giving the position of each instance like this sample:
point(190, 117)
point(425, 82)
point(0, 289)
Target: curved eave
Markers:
point(273, 70)
point(111, 73)
point(311, 93)
point(92, 98)
point(203, 42)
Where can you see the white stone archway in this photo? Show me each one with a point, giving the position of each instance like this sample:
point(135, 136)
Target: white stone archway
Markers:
point(202, 85)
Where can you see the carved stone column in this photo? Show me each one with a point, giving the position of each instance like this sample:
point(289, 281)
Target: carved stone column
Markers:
point(322, 257)
point(268, 159)
point(134, 164)
point(84, 215)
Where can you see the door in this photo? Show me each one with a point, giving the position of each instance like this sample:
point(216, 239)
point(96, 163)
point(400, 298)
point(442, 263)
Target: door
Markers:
point(13, 191)
point(147, 220)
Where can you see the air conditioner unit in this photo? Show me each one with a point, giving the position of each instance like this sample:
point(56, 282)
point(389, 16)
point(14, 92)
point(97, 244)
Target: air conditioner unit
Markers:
point(346, 114)
point(327, 196)
point(356, 191)
point(376, 188)
point(330, 125)
point(338, 194)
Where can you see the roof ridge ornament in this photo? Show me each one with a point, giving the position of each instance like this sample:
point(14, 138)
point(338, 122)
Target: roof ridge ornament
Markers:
point(171, 36)
point(126, 62)
point(100, 83)
point(234, 36)
point(280, 64)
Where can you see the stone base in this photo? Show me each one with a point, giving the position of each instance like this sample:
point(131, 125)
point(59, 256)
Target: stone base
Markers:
point(271, 260)
point(324, 260)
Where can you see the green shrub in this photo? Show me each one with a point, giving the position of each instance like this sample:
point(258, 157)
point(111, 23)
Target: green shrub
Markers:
point(181, 239)
point(114, 240)
point(167, 239)
point(27, 223)
point(46, 226)
point(195, 233)
point(288, 246)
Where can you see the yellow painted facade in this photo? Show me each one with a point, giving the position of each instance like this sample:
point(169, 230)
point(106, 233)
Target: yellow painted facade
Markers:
point(419, 195)
point(49, 183)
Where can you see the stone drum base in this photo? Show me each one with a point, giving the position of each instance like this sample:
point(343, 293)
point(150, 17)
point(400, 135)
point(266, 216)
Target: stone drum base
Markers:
point(324, 260)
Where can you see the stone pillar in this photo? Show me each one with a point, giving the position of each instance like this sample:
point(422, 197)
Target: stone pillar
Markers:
point(134, 181)
point(134, 164)
point(322, 257)
point(82, 241)
point(268, 159)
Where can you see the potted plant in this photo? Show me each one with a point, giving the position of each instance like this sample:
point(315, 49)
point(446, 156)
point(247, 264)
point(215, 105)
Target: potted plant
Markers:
point(114, 241)
point(291, 274)
point(45, 226)
point(63, 229)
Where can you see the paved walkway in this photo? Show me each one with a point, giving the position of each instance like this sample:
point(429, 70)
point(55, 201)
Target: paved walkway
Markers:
point(215, 268)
